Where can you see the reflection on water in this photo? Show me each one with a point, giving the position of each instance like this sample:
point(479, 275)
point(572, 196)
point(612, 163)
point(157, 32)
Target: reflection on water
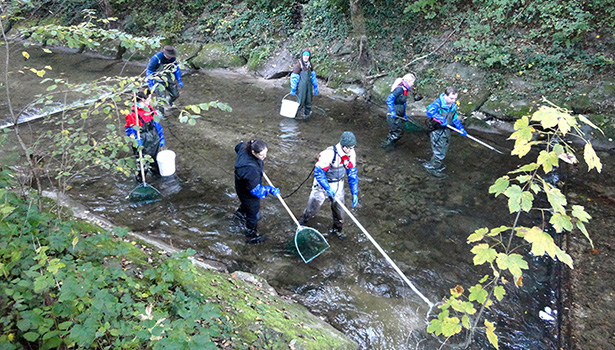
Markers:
point(419, 221)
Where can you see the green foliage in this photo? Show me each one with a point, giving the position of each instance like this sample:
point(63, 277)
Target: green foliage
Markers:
point(88, 35)
point(249, 25)
point(500, 247)
point(64, 286)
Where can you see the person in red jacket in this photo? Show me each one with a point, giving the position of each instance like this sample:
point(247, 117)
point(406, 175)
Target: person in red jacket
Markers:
point(151, 133)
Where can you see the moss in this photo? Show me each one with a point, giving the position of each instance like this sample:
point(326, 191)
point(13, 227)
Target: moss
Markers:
point(264, 320)
point(217, 56)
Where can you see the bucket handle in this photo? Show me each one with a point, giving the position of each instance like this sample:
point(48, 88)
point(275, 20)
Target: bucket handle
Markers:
point(285, 96)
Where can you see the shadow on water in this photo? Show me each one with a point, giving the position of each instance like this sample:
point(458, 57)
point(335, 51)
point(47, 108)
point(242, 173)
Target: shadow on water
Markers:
point(420, 221)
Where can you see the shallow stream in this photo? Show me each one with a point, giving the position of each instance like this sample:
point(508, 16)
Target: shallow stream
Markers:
point(422, 222)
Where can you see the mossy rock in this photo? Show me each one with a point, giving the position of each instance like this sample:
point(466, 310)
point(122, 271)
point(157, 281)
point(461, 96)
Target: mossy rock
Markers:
point(337, 73)
point(381, 89)
point(217, 56)
point(262, 320)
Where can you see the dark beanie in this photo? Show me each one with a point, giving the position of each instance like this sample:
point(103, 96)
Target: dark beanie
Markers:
point(348, 139)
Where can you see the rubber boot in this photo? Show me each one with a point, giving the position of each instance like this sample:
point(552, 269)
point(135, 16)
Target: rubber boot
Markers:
point(388, 144)
point(338, 233)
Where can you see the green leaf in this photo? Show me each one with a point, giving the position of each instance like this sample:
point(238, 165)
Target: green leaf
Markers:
point(555, 198)
point(500, 185)
point(523, 178)
point(548, 160)
point(581, 227)
point(51, 87)
point(465, 321)
point(541, 241)
point(490, 331)
point(514, 198)
point(591, 158)
point(477, 235)
point(451, 326)
point(513, 263)
point(477, 293)
point(483, 253)
point(584, 119)
point(561, 222)
point(195, 109)
point(579, 212)
point(523, 130)
point(496, 231)
point(527, 200)
point(526, 168)
point(546, 116)
point(31, 336)
point(499, 292)
point(191, 121)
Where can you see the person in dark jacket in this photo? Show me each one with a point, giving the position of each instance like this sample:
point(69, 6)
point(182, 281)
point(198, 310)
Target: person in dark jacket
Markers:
point(248, 177)
point(396, 105)
point(303, 83)
point(443, 112)
point(163, 70)
point(151, 133)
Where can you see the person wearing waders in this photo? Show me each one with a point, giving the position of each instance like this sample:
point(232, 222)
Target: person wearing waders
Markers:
point(442, 112)
point(396, 105)
point(332, 164)
point(248, 177)
point(151, 133)
point(163, 70)
point(303, 84)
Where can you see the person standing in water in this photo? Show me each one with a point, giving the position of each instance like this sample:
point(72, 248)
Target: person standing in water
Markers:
point(163, 70)
point(248, 177)
point(151, 133)
point(333, 163)
point(303, 83)
point(396, 105)
point(443, 112)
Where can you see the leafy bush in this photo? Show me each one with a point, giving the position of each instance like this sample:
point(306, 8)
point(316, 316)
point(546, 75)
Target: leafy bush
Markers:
point(64, 284)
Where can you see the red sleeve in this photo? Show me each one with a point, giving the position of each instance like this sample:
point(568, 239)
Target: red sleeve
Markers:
point(130, 120)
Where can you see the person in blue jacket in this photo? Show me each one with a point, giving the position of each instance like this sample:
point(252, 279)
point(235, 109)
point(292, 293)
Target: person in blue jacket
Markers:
point(396, 105)
point(248, 177)
point(333, 163)
point(151, 135)
point(442, 112)
point(303, 83)
point(163, 70)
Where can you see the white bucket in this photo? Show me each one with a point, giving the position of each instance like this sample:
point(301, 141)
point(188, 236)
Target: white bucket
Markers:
point(289, 108)
point(166, 162)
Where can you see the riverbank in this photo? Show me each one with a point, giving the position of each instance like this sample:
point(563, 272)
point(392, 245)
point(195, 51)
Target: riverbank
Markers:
point(344, 114)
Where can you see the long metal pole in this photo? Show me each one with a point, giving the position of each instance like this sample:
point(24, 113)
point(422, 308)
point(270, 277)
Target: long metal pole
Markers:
point(475, 139)
point(282, 200)
point(401, 274)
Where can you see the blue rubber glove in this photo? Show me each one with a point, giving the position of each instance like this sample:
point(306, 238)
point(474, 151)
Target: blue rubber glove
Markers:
point(140, 142)
point(331, 193)
point(406, 118)
point(161, 143)
point(464, 132)
point(274, 191)
point(293, 92)
point(355, 200)
point(443, 122)
point(315, 91)
point(180, 84)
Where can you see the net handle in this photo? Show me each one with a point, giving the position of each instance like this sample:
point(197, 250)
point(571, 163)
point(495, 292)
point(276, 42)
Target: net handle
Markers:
point(371, 239)
point(282, 201)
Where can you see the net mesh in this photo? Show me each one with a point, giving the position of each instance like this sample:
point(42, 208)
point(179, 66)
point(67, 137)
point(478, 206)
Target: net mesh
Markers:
point(414, 125)
point(144, 193)
point(310, 243)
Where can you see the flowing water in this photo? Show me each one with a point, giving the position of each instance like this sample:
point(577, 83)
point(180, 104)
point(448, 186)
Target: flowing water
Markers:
point(422, 222)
